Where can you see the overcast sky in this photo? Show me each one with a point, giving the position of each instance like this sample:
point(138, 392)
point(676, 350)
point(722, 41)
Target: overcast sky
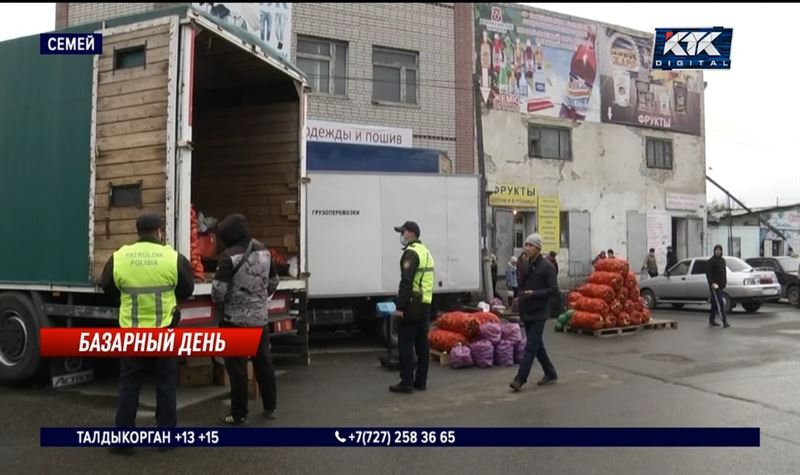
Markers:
point(751, 128)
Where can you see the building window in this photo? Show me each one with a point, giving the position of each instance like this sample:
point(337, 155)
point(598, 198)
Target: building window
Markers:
point(549, 142)
point(659, 153)
point(325, 64)
point(394, 75)
point(564, 225)
point(125, 195)
point(129, 57)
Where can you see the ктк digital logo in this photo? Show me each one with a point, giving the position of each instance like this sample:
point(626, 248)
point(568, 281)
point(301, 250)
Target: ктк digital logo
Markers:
point(692, 48)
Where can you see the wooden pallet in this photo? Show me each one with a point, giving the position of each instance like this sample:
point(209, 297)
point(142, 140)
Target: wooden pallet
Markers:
point(660, 325)
point(617, 331)
point(442, 357)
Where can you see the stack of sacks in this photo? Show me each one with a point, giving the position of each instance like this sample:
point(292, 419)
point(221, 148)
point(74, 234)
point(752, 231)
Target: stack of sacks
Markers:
point(481, 337)
point(610, 298)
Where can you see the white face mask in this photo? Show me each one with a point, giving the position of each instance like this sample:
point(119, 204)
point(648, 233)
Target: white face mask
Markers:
point(403, 240)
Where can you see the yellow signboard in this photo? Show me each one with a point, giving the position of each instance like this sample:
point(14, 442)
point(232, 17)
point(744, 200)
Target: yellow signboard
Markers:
point(513, 196)
point(549, 213)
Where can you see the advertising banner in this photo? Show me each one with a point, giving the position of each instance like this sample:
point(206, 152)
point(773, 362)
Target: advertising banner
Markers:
point(633, 94)
point(536, 64)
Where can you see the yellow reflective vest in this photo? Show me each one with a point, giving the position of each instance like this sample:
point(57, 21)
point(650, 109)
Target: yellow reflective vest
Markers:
point(146, 275)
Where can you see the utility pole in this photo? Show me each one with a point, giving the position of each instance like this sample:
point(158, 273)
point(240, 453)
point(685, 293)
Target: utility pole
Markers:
point(488, 285)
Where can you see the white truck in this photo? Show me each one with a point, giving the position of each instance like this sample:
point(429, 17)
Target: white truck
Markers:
point(354, 253)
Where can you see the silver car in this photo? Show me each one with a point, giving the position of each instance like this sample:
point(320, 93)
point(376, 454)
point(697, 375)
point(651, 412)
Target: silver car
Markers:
point(685, 283)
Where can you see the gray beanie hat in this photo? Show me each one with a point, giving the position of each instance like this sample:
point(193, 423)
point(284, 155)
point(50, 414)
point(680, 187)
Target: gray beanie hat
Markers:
point(535, 240)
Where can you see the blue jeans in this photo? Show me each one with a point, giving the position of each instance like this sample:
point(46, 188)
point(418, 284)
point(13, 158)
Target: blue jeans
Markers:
point(534, 349)
point(717, 306)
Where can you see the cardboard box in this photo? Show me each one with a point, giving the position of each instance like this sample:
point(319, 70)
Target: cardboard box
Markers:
point(195, 376)
point(221, 376)
point(252, 390)
point(198, 361)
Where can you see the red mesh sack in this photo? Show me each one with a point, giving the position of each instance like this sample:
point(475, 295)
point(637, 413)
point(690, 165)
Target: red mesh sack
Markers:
point(635, 294)
point(610, 279)
point(586, 304)
point(616, 307)
point(630, 280)
point(586, 320)
point(444, 340)
point(624, 294)
point(459, 322)
point(629, 306)
point(645, 315)
point(624, 319)
point(485, 317)
point(636, 318)
point(596, 291)
point(617, 266)
point(573, 298)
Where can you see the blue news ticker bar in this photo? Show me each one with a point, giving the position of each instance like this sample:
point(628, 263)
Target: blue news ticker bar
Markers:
point(71, 43)
point(404, 437)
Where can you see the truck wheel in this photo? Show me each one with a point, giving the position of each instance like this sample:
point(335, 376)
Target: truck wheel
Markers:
point(793, 295)
point(19, 338)
point(649, 299)
point(751, 307)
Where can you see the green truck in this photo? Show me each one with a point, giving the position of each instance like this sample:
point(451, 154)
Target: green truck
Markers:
point(180, 112)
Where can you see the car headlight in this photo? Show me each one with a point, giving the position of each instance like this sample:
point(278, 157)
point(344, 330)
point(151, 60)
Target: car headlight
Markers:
point(750, 282)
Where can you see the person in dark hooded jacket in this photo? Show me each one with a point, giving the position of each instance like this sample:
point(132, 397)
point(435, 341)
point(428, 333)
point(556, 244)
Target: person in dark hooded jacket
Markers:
point(244, 282)
point(717, 277)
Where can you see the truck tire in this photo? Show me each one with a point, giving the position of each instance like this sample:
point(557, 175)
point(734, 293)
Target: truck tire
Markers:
point(793, 295)
point(751, 307)
point(19, 338)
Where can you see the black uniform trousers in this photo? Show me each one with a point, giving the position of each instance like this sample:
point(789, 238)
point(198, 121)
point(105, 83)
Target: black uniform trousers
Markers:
point(132, 374)
point(412, 334)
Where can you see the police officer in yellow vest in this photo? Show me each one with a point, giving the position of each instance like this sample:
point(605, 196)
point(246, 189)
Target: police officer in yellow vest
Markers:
point(413, 309)
point(148, 278)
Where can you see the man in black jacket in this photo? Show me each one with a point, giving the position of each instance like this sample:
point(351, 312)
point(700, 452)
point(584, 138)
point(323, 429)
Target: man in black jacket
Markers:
point(672, 258)
point(717, 277)
point(243, 284)
point(537, 285)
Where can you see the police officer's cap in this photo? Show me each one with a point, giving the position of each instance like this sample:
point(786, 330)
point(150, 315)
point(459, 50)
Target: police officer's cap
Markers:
point(148, 222)
point(408, 226)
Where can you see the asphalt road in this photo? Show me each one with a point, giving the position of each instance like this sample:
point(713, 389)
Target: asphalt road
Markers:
point(745, 376)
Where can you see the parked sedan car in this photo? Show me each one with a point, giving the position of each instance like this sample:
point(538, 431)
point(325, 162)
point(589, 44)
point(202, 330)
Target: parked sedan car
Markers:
point(786, 268)
point(685, 283)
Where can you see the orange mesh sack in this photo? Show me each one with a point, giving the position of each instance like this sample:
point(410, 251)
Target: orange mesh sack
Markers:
point(485, 317)
point(444, 340)
point(586, 320)
point(459, 322)
point(617, 266)
point(573, 298)
point(610, 279)
point(596, 291)
point(586, 304)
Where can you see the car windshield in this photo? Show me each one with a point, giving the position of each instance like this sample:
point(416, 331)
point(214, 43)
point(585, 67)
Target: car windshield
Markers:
point(789, 264)
point(737, 265)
